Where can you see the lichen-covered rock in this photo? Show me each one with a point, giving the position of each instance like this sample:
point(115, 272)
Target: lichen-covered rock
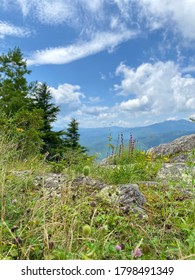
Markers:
point(177, 149)
point(130, 193)
point(122, 195)
point(128, 197)
point(171, 171)
point(177, 172)
point(88, 182)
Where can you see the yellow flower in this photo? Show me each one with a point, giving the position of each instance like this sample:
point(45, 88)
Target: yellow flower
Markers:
point(20, 129)
point(166, 159)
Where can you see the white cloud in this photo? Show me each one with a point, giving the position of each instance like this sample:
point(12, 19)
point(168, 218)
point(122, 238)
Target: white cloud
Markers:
point(157, 88)
point(62, 55)
point(94, 99)
point(151, 92)
point(7, 29)
point(94, 5)
point(93, 110)
point(177, 14)
point(188, 69)
point(137, 104)
point(56, 12)
point(87, 14)
point(47, 12)
point(67, 94)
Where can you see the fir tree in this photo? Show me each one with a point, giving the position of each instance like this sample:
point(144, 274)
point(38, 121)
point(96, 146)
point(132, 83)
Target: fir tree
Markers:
point(72, 136)
point(52, 140)
point(14, 87)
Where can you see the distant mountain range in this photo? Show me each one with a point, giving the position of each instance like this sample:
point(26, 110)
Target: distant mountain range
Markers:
point(97, 139)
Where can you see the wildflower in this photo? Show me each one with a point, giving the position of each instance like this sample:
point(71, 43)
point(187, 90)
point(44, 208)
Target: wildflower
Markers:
point(166, 159)
point(118, 247)
point(136, 253)
point(20, 129)
point(14, 200)
point(131, 225)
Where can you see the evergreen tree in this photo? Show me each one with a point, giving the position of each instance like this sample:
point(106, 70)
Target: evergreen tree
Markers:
point(72, 136)
point(52, 140)
point(14, 87)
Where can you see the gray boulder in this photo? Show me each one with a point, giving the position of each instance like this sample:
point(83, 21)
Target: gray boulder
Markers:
point(178, 149)
point(128, 197)
point(179, 153)
point(129, 194)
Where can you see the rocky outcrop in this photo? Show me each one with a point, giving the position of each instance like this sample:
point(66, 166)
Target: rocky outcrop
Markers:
point(179, 153)
point(127, 197)
point(177, 150)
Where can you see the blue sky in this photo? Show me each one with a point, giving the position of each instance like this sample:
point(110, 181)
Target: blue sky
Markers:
point(116, 62)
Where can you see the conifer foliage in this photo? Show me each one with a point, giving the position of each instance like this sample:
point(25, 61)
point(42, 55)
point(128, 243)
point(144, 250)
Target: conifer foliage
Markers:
point(28, 111)
point(72, 136)
point(14, 88)
point(52, 140)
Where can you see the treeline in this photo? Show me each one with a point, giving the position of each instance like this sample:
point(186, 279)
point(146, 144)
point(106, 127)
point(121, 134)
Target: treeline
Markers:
point(27, 113)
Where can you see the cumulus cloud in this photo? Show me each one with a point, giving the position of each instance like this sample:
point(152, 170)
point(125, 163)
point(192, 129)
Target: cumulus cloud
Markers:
point(137, 104)
point(156, 88)
point(8, 29)
point(177, 14)
point(150, 93)
point(62, 55)
point(67, 94)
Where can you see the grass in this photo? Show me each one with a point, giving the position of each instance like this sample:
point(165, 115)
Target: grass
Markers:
point(36, 226)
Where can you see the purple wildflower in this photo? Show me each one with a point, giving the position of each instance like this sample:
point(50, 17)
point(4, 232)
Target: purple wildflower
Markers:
point(136, 253)
point(118, 247)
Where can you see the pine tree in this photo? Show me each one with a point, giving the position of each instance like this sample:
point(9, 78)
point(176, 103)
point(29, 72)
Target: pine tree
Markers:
point(72, 136)
point(14, 87)
point(52, 139)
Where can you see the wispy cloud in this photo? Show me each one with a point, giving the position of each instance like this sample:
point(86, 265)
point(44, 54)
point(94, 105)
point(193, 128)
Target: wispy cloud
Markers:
point(94, 99)
point(62, 55)
point(88, 14)
point(45, 11)
point(188, 69)
point(8, 29)
point(93, 110)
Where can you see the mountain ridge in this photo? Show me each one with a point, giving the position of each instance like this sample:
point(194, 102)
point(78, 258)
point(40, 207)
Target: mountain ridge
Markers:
point(97, 139)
